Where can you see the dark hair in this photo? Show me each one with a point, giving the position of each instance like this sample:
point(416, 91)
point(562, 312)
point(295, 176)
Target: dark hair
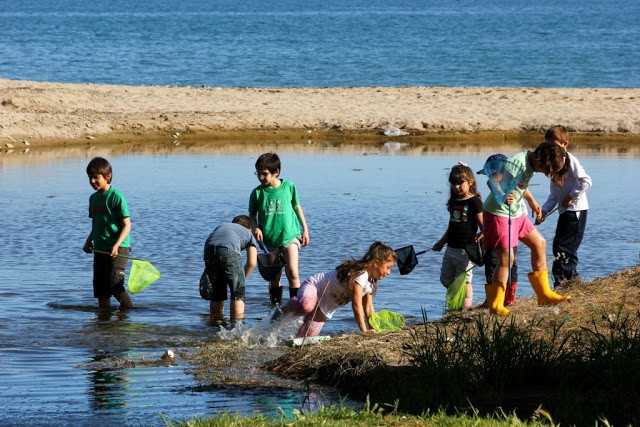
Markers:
point(268, 161)
point(458, 174)
point(555, 157)
point(556, 133)
point(245, 221)
point(100, 166)
point(378, 251)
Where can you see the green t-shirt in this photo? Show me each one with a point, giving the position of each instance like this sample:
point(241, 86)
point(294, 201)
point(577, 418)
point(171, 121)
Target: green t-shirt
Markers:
point(107, 211)
point(274, 208)
point(517, 166)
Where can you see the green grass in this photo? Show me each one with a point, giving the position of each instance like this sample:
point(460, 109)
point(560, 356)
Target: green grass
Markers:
point(339, 415)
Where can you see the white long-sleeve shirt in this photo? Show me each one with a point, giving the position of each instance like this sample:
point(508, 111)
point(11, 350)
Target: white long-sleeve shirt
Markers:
point(576, 184)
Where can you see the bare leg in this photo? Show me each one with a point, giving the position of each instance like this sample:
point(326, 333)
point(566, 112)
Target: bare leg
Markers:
point(501, 273)
point(237, 310)
point(216, 310)
point(275, 292)
point(304, 303)
point(104, 302)
point(535, 241)
point(275, 283)
point(273, 257)
point(291, 254)
point(125, 300)
point(312, 325)
point(468, 296)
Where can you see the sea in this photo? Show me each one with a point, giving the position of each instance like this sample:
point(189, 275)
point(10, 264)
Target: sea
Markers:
point(65, 363)
point(313, 43)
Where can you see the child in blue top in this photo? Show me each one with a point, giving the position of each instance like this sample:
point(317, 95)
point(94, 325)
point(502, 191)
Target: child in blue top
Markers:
point(491, 256)
point(224, 264)
point(110, 228)
point(465, 219)
point(275, 206)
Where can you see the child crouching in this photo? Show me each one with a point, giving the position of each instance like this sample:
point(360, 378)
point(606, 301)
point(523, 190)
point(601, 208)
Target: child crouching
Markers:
point(354, 280)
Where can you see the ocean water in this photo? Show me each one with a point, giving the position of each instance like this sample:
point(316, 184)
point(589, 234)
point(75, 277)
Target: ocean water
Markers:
point(283, 43)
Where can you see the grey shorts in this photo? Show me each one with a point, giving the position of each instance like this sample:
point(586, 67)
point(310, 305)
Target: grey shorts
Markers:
point(455, 262)
point(297, 241)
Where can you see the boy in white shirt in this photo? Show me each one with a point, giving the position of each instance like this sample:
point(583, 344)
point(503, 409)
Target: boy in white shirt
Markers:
point(572, 203)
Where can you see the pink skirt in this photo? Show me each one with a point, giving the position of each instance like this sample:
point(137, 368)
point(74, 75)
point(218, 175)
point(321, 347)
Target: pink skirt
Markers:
point(496, 230)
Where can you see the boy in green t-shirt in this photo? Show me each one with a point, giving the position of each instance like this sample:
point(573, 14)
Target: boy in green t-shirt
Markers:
point(110, 227)
point(275, 206)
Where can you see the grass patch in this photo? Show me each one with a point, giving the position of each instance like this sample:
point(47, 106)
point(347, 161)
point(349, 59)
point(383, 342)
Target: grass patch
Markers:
point(490, 364)
point(370, 415)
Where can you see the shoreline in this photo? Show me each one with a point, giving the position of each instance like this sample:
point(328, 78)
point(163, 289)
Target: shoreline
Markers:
point(61, 114)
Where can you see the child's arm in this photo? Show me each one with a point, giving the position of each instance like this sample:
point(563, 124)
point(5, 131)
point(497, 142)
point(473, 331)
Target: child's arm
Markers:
point(440, 243)
point(253, 214)
point(252, 260)
point(367, 301)
point(533, 204)
point(358, 307)
point(88, 245)
point(583, 182)
point(479, 219)
point(303, 222)
point(257, 232)
point(551, 202)
point(126, 229)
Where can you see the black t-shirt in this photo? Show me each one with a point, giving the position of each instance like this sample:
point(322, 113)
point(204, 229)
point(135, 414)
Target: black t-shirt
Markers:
point(463, 222)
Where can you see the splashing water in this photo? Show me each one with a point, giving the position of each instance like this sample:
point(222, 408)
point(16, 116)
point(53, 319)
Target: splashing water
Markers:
point(264, 332)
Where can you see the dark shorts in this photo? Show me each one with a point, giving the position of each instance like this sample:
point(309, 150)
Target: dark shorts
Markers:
point(225, 269)
point(108, 273)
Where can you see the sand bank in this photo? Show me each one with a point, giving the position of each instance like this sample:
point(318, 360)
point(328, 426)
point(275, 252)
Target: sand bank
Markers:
point(55, 113)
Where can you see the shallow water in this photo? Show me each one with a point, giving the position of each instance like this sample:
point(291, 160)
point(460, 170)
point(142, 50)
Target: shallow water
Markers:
point(54, 341)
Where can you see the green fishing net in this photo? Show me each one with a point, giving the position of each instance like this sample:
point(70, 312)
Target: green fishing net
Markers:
point(456, 292)
point(386, 321)
point(142, 274)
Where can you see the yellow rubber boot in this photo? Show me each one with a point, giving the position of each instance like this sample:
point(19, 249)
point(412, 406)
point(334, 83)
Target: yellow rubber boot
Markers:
point(540, 283)
point(495, 298)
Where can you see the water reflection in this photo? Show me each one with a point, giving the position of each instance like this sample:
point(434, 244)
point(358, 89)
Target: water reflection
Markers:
point(108, 388)
point(597, 145)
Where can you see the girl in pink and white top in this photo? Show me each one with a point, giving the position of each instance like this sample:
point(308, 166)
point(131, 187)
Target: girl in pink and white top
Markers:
point(354, 281)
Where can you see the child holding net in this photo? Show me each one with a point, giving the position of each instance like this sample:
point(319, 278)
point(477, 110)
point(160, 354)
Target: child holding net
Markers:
point(505, 224)
point(465, 220)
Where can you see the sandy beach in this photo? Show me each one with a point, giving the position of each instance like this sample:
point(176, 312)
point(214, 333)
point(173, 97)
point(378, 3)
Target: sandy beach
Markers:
point(46, 114)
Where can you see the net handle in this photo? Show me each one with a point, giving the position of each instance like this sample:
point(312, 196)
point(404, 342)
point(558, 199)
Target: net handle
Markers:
point(121, 256)
point(423, 252)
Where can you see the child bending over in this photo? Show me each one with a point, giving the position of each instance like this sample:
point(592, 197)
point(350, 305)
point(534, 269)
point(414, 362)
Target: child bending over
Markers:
point(354, 281)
